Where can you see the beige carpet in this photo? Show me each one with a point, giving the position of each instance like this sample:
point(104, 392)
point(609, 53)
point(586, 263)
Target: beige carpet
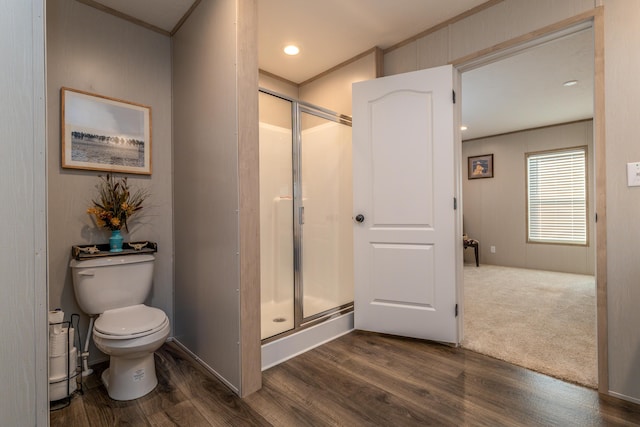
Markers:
point(540, 320)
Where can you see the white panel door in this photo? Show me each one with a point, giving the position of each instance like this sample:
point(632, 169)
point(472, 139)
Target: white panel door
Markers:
point(404, 216)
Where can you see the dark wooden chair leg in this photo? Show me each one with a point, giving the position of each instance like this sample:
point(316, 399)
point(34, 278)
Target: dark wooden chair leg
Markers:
point(475, 250)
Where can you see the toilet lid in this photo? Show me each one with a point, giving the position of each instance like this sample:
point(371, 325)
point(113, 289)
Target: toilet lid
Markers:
point(130, 320)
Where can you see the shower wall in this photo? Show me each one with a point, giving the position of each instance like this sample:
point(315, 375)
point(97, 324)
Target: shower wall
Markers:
point(276, 230)
point(276, 207)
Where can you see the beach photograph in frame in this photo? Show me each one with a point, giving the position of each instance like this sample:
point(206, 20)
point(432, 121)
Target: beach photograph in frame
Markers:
point(480, 166)
point(104, 134)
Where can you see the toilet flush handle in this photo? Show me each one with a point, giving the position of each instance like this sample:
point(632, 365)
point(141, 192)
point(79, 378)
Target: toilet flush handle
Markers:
point(86, 273)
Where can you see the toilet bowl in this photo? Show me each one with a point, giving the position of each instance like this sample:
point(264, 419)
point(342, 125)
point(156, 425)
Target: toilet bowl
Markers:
point(129, 332)
point(130, 336)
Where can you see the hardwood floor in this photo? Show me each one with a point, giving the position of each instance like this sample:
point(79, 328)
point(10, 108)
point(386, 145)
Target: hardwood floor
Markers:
point(360, 379)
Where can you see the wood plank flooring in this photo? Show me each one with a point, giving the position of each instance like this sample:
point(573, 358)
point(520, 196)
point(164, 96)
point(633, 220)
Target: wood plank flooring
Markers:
point(360, 379)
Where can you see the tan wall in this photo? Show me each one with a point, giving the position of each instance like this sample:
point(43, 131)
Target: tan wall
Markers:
point(99, 53)
point(495, 208)
point(209, 186)
point(275, 111)
point(330, 90)
point(502, 22)
point(622, 98)
point(333, 90)
point(280, 86)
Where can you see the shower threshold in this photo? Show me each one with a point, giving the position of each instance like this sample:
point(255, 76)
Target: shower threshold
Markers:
point(282, 349)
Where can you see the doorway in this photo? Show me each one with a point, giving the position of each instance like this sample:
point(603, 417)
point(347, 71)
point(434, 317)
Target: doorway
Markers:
point(494, 209)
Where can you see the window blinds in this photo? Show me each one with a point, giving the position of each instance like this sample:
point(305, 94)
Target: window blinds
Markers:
point(557, 198)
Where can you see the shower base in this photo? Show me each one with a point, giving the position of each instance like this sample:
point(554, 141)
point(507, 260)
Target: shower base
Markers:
point(292, 345)
point(277, 317)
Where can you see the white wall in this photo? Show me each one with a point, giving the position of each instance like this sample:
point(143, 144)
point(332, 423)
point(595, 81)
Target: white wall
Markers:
point(276, 218)
point(276, 214)
point(99, 53)
point(495, 208)
point(23, 353)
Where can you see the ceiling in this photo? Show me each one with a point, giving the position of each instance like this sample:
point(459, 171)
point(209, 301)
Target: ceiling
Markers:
point(520, 92)
point(330, 32)
point(526, 90)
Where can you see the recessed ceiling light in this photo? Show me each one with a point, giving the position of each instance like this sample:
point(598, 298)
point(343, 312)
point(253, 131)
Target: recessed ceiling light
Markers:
point(291, 50)
point(570, 83)
point(463, 127)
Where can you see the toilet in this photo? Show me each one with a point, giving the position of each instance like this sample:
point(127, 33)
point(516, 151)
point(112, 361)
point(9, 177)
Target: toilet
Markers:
point(114, 289)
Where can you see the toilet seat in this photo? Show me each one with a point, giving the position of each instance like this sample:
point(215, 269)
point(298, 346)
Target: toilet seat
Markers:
point(129, 322)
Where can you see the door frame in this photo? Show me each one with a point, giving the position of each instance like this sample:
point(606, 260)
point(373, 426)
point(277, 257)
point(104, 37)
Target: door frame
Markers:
point(595, 19)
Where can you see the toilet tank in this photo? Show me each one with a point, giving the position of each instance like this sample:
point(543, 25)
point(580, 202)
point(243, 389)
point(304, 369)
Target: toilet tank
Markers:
point(102, 284)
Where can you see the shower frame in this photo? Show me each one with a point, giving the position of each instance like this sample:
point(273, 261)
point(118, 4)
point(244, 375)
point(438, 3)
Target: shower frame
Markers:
point(297, 109)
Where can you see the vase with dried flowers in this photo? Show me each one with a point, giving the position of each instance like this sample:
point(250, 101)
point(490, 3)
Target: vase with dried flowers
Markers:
point(114, 206)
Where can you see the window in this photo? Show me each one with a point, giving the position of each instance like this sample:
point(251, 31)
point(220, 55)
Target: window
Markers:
point(557, 196)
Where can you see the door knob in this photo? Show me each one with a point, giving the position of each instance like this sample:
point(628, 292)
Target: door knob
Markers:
point(359, 218)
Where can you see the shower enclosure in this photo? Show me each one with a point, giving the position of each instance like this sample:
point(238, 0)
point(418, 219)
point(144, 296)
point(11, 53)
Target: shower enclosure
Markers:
point(306, 239)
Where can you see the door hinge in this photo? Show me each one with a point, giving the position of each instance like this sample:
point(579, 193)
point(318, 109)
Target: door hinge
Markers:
point(596, 216)
point(454, 96)
point(456, 310)
point(455, 203)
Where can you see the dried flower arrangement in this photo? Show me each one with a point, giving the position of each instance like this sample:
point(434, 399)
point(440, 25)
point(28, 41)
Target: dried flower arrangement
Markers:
point(116, 203)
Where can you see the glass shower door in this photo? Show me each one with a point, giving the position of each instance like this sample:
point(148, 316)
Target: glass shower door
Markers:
point(276, 216)
point(306, 238)
point(325, 210)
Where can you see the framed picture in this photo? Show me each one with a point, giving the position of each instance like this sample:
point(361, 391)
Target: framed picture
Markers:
point(480, 166)
point(104, 134)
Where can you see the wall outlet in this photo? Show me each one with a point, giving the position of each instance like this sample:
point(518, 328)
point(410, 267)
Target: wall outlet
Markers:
point(493, 249)
point(633, 174)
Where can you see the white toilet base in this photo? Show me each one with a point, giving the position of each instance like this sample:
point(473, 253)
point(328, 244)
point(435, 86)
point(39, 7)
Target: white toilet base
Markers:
point(128, 379)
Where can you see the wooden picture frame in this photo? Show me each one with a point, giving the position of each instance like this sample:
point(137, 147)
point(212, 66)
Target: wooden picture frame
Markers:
point(480, 166)
point(104, 134)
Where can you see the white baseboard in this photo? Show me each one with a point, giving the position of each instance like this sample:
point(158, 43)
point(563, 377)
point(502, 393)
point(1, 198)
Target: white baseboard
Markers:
point(624, 397)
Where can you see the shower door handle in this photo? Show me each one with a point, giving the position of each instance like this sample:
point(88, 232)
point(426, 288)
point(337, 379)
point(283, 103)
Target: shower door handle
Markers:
point(360, 218)
point(301, 215)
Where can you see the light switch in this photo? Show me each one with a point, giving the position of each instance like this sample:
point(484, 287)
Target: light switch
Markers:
point(633, 174)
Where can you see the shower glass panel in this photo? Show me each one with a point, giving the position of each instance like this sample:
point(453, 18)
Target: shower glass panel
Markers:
point(276, 216)
point(327, 234)
point(306, 235)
